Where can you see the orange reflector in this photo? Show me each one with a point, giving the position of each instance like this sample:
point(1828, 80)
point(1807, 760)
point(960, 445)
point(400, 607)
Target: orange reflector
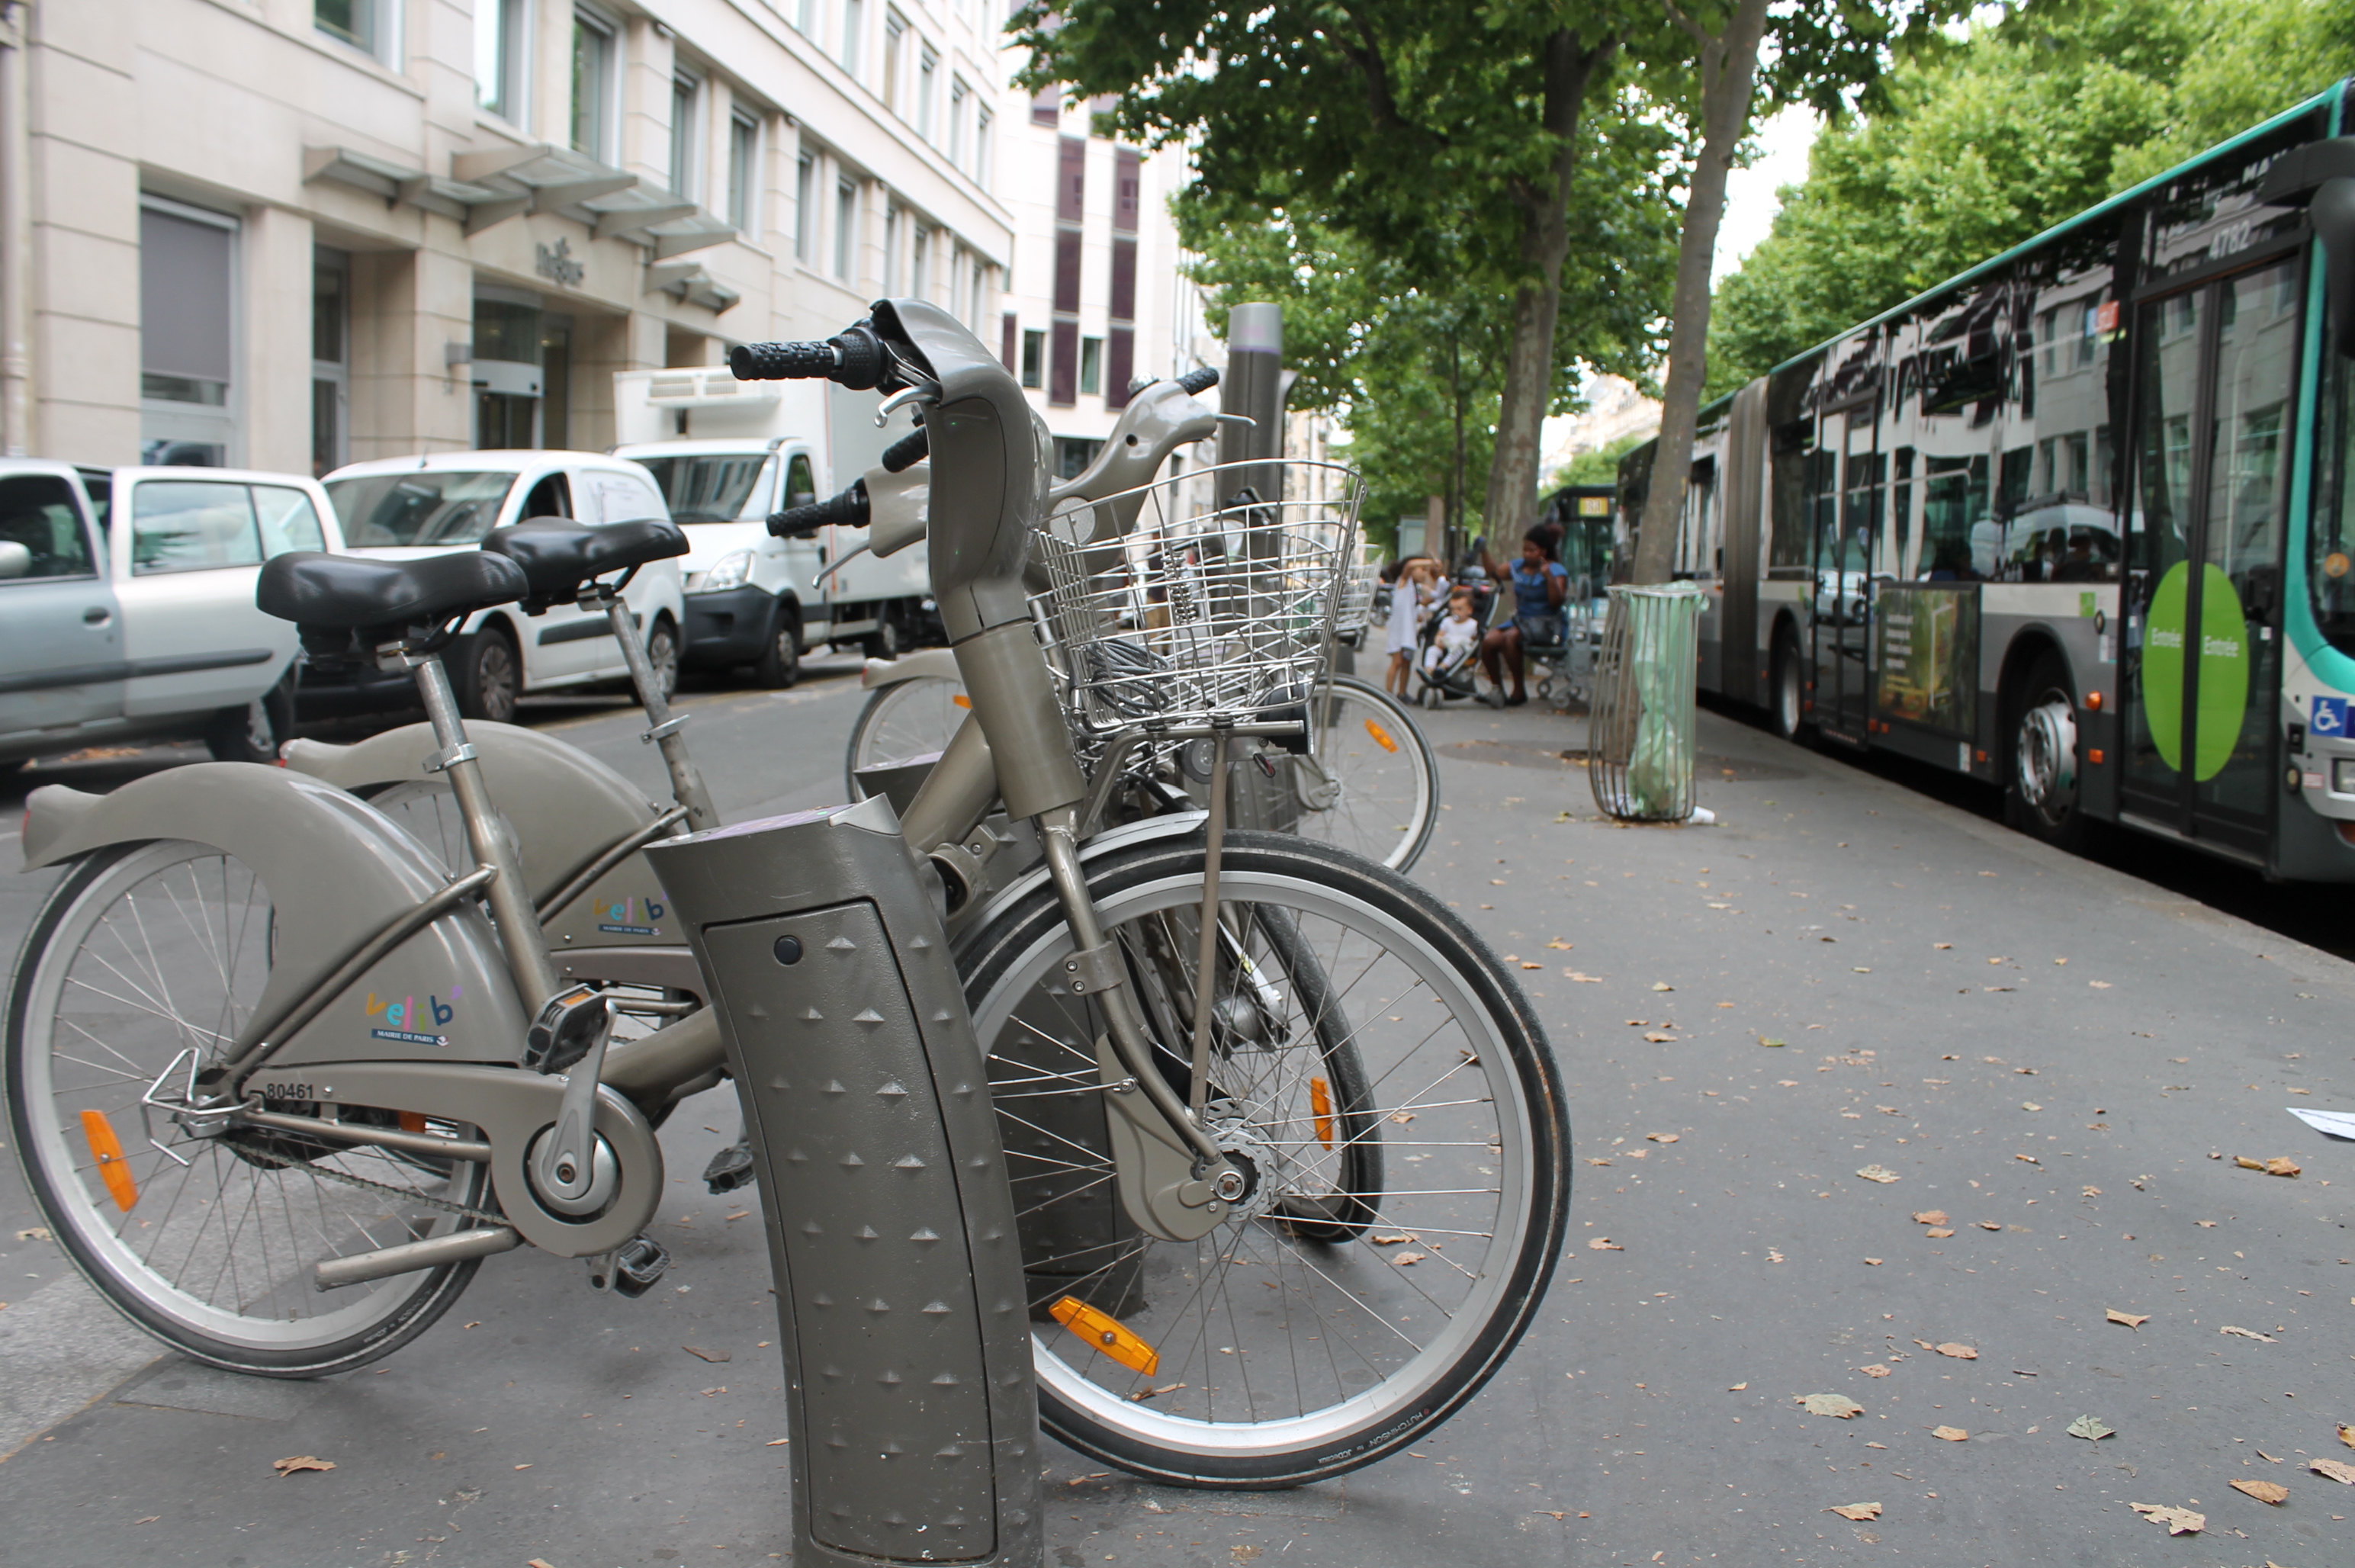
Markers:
point(1104, 1332)
point(412, 1121)
point(2097, 756)
point(962, 700)
point(112, 1167)
point(1320, 1102)
point(1381, 736)
point(2093, 700)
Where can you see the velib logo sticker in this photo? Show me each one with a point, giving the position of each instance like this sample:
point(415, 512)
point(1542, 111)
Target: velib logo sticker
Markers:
point(633, 917)
point(403, 1023)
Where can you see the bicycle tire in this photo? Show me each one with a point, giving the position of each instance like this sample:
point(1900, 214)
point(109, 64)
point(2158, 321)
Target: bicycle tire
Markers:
point(273, 1325)
point(1386, 1399)
point(905, 719)
point(1368, 800)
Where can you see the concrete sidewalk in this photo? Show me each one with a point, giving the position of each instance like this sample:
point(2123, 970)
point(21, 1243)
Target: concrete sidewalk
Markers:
point(2046, 1050)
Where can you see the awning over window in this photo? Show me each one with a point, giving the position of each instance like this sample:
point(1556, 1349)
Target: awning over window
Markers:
point(487, 188)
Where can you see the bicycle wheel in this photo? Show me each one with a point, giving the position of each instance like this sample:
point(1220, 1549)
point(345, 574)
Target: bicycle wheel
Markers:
point(904, 719)
point(142, 953)
point(1369, 784)
point(1336, 1315)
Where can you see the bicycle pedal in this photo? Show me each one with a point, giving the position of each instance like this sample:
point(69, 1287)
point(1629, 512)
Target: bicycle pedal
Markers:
point(730, 1168)
point(565, 1029)
point(630, 1269)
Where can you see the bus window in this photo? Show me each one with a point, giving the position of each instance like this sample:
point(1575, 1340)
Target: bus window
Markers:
point(1955, 518)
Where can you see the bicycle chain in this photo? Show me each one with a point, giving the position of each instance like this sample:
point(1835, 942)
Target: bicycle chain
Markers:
point(489, 1216)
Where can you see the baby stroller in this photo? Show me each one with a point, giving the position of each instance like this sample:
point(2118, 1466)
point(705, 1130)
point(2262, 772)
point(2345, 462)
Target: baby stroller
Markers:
point(1443, 673)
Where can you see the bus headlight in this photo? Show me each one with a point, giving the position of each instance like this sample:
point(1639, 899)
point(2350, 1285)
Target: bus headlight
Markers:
point(728, 572)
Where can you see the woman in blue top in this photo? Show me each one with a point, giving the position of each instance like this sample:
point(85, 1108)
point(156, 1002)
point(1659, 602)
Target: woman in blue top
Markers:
point(1540, 586)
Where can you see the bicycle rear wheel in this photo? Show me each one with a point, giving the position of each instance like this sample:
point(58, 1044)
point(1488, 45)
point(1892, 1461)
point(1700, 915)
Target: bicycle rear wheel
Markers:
point(904, 719)
point(1369, 784)
point(1348, 1304)
point(143, 952)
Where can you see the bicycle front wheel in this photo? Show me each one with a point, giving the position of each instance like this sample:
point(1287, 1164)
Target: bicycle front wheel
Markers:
point(1349, 1303)
point(141, 954)
point(1369, 784)
point(904, 719)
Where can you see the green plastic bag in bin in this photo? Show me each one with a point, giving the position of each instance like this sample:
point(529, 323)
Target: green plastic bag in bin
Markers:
point(1640, 739)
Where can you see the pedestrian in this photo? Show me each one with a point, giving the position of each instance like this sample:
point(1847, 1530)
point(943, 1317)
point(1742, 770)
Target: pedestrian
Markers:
point(1540, 584)
point(1409, 595)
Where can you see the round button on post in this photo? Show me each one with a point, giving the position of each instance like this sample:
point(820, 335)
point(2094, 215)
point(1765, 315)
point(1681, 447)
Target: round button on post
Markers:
point(788, 950)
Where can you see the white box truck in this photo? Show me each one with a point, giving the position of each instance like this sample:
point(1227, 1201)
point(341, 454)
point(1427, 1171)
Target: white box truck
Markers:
point(728, 453)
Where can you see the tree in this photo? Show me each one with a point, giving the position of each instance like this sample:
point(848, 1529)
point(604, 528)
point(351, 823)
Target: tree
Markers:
point(1433, 134)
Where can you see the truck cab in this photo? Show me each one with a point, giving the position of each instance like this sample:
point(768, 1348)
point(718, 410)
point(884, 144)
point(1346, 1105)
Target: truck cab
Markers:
point(728, 453)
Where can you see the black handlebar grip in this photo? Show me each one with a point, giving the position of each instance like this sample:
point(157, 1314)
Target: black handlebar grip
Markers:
point(782, 361)
point(848, 510)
point(907, 451)
point(1197, 383)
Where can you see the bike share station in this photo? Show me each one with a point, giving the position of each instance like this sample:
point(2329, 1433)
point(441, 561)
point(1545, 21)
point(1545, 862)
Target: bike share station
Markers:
point(1040, 1047)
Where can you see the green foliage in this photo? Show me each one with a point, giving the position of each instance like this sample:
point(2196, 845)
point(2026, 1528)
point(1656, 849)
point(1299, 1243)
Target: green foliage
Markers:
point(1598, 467)
point(1974, 146)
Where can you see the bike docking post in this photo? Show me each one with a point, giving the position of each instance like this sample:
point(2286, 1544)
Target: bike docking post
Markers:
point(910, 1399)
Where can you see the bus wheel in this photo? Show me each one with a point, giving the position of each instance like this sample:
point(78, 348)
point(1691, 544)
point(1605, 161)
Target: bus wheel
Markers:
point(2040, 794)
point(1787, 699)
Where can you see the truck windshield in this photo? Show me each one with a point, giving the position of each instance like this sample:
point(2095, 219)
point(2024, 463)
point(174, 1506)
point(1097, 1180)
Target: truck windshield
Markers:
point(712, 487)
point(426, 506)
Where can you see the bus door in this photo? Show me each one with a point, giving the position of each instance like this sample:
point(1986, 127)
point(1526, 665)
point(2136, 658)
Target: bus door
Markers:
point(1847, 512)
point(2214, 373)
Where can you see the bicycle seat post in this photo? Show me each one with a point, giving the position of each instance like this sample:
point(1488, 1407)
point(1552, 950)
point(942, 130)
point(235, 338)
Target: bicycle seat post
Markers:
point(663, 729)
point(509, 894)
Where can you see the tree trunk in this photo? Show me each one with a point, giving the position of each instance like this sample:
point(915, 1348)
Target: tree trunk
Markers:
point(1512, 499)
point(1728, 69)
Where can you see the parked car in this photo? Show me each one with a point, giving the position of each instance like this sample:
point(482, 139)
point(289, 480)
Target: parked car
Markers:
point(404, 508)
point(127, 597)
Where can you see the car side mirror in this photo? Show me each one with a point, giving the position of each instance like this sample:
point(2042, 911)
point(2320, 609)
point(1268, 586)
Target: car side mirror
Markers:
point(16, 560)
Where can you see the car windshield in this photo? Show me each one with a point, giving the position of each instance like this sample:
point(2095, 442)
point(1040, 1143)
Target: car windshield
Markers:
point(445, 505)
point(712, 487)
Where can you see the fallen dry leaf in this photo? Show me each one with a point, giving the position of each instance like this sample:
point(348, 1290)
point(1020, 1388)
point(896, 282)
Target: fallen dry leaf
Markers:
point(1527, 965)
point(1558, 942)
point(1244, 1553)
point(1874, 1262)
point(1141, 1395)
point(1837, 1404)
point(37, 1234)
point(1763, 1041)
point(1931, 1217)
point(1603, 1244)
point(1874, 1371)
point(1401, 1117)
point(2131, 1319)
point(1990, 1224)
point(1657, 1037)
point(1950, 1433)
point(706, 1355)
point(2347, 1435)
point(1584, 979)
point(1592, 1160)
point(1662, 1138)
point(2343, 1473)
point(2272, 1492)
point(539, 1563)
point(2248, 1334)
point(288, 1465)
point(1662, 986)
point(1960, 1352)
point(781, 1442)
point(1856, 1513)
point(1392, 1240)
point(1407, 1260)
point(2091, 1428)
point(1737, 1387)
point(2178, 1520)
point(1937, 1232)
point(2280, 1165)
point(1877, 1173)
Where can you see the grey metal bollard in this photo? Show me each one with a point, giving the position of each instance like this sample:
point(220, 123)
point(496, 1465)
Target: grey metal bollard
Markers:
point(911, 1404)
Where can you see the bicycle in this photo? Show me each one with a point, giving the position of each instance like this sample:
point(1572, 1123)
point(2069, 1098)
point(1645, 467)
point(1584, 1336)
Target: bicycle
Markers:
point(220, 965)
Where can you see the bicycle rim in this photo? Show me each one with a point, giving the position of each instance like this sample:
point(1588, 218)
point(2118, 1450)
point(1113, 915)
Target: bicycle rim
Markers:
point(1277, 1357)
point(142, 955)
point(1369, 786)
point(906, 720)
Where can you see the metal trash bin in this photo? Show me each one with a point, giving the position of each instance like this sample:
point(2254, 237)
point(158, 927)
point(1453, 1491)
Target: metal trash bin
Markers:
point(1640, 730)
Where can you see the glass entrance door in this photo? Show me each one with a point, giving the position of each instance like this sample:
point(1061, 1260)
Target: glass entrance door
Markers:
point(1847, 510)
point(2215, 369)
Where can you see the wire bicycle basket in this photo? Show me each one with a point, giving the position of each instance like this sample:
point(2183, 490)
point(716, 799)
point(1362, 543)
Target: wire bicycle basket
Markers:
point(1217, 606)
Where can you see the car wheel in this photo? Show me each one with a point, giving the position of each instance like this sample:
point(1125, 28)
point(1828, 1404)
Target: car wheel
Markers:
point(662, 653)
point(883, 643)
point(780, 664)
point(2040, 794)
point(254, 732)
point(490, 675)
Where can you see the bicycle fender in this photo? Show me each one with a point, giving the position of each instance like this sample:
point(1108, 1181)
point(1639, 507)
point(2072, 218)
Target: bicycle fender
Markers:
point(336, 870)
point(1176, 826)
point(920, 663)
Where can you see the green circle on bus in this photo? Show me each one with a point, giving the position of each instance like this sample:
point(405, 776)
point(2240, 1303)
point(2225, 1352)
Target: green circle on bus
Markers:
point(2223, 669)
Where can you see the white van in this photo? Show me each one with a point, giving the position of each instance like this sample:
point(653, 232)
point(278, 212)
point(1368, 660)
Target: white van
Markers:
point(404, 508)
point(728, 453)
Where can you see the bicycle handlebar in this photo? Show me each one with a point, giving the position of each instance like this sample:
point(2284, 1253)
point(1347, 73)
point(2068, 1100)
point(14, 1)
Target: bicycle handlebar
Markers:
point(1197, 383)
point(854, 356)
point(907, 451)
point(848, 510)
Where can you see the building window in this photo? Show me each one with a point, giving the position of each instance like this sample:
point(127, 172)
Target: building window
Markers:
point(331, 369)
point(894, 30)
point(187, 327)
point(958, 94)
point(805, 207)
point(1034, 358)
point(1047, 105)
point(982, 147)
point(916, 278)
point(846, 220)
point(979, 296)
point(594, 46)
point(1092, 366)
point(1074, 453)
point(854, 27)
point(805, 18)
point(890, 252)
point(685, 118)
point(928, 72)
point(743, 159)
point(366, 24)
point(500, 55)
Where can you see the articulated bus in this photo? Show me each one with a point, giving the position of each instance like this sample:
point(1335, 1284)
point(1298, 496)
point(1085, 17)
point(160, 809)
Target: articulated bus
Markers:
point(2078, 522)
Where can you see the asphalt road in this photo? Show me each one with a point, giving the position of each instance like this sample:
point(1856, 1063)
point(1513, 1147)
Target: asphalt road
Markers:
point(2049, 1051)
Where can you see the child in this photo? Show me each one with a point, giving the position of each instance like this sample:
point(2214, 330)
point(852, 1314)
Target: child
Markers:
point(1410, 596)
point(1459, 634)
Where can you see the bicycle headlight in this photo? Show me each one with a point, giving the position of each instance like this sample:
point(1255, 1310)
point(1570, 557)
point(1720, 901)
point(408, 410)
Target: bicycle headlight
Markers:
point(728, 572)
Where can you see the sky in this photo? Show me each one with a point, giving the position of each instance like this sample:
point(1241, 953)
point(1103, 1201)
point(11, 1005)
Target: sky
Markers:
point(1749, 204)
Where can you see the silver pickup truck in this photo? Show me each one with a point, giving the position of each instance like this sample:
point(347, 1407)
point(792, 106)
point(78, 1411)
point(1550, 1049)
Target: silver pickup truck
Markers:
point(126, 606)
